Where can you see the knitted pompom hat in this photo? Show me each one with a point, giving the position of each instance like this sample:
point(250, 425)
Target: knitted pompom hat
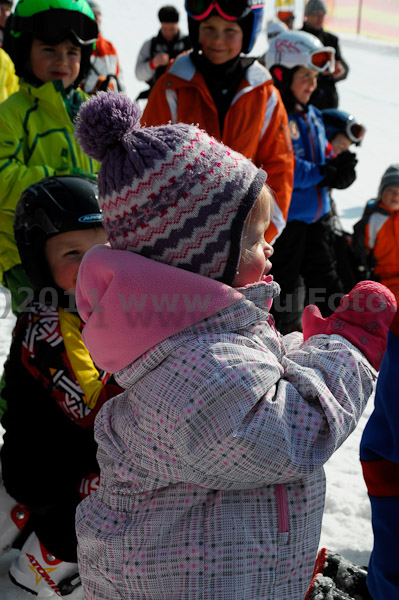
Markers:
point(171, 193)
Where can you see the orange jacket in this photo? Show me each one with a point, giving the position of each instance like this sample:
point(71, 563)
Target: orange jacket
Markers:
point(382, 239)
point(256, 123)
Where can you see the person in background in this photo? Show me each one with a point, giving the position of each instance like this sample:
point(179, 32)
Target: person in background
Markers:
point(305, 248)
point(376, 235)
point(52, 387)
point(5, 11)
point(8, 80)
point(104, 72)
point(212, 482)
point(287, 17)
point(156, 53)
point(379, 455)
point(274, 27)
point(326, 94)
point(50, 43)
point(229, 94)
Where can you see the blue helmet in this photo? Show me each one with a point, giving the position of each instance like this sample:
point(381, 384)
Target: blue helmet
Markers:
point(339, 121)
point(247, 13)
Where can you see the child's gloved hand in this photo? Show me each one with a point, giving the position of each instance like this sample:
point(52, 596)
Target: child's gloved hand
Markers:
point(363, 318)
point(339, 172)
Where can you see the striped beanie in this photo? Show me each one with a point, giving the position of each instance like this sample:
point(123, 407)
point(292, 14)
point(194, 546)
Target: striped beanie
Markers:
point(171, 193)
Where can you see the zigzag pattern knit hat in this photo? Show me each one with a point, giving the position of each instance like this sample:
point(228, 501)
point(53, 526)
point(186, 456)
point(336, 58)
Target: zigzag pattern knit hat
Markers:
point(171, 193)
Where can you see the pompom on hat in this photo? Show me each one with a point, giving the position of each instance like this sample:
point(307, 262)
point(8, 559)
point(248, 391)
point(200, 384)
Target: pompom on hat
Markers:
point(171, 193)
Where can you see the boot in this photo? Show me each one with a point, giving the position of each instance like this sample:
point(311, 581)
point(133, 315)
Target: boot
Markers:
point(13, 518)
point(347, 576)
point(41, 573)
point(324, 588)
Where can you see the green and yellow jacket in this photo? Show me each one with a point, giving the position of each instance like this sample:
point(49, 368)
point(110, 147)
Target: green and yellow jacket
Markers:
point(36, 141)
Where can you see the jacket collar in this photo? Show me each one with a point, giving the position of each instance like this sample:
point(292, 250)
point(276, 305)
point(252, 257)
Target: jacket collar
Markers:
point(252, 307)
point(49, 95)
point(184, 68)
point(132, 304)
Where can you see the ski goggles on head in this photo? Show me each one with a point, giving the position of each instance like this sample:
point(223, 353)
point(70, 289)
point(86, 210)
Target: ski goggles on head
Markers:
point(55, 25)
point(355, 132)
point(323, 60)
point(231, 10)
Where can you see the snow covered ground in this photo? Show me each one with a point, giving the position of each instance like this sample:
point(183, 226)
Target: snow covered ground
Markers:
point(371, 92)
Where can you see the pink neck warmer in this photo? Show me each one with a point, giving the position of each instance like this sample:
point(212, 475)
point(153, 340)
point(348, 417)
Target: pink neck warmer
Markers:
point(131, 303)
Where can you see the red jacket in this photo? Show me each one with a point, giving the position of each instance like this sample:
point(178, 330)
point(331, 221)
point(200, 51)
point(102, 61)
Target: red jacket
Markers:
point(256, 123)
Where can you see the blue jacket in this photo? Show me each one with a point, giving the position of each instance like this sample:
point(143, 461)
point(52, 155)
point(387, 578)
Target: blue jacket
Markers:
point(309, 201)
point(379, 453)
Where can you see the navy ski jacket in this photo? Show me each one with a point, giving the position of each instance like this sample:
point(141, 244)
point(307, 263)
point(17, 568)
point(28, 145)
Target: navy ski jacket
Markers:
point(379, 454)
point(309, 201)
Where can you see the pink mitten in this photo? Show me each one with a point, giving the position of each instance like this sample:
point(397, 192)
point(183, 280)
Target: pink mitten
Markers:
point(363, 318)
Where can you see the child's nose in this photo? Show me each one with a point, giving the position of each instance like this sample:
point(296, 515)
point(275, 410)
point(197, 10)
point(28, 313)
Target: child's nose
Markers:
point(60, 57)
point(269, 250)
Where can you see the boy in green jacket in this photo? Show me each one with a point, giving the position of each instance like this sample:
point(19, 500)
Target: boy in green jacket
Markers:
point(50, 42)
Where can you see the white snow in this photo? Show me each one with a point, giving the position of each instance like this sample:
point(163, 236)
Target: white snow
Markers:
point(371, 93)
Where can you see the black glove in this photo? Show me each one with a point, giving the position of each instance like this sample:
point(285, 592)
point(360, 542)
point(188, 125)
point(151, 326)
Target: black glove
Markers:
point(339, 172)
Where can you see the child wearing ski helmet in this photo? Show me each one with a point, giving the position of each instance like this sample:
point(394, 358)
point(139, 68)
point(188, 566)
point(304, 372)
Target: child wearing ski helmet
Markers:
point(342, 129)
point(50, 42)
point(305, 248)
point(52, 388)
point(376, 235)
point(228, 94)
point(212, 483)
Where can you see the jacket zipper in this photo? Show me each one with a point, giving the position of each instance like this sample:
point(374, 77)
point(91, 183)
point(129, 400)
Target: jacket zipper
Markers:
point(282, 507)
point(314, 160)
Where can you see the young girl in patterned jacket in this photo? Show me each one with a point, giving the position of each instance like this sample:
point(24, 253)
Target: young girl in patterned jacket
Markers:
point(212, 483)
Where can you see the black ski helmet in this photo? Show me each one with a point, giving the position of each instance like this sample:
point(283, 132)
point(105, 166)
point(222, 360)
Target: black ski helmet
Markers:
point(53, 205)
point(250, 21)
point(51, 21)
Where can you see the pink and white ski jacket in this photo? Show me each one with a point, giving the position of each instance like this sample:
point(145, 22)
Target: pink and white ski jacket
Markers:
point(212, 481)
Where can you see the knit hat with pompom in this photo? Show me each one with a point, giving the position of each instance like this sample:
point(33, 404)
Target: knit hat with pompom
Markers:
point(170, 193)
